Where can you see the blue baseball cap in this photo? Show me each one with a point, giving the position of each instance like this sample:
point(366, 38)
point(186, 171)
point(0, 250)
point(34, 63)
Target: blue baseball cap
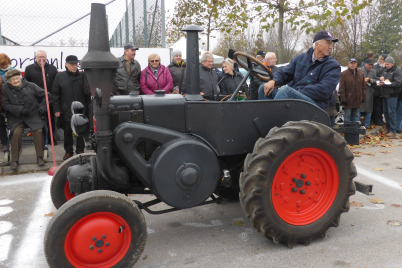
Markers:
point(324, 35)
point(352, 60)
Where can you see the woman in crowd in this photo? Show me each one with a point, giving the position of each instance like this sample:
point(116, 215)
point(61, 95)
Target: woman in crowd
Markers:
point(379, 66)
point(5, 65)
point(178, 70)
point(24, 104)
point(231, 79)
point(155, 76)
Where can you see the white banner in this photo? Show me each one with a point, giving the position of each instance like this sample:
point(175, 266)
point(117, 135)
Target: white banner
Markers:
point(22, 56)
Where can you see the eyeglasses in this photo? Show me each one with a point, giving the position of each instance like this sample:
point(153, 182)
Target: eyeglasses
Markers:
point(154, 61)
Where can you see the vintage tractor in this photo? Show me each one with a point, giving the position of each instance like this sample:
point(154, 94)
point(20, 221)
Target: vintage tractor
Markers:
point(292, 173)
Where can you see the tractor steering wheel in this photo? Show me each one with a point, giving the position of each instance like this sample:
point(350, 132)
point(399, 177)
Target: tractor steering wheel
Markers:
point(249, 66)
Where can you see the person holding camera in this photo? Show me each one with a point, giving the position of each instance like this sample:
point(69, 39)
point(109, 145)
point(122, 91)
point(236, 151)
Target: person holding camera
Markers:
point(24, 104)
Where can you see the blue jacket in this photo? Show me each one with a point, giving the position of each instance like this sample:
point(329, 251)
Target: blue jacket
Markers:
point(316, 80)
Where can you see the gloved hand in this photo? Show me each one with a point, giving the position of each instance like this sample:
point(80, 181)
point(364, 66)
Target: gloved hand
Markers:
point(24, 112)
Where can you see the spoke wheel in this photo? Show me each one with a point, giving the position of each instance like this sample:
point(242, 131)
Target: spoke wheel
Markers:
point(96, 229)
point(297, 182)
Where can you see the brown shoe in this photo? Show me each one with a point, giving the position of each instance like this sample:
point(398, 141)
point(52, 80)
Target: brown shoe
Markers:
point(14, 165)
point(67, 155)
point(40, 161)
point(390, 135)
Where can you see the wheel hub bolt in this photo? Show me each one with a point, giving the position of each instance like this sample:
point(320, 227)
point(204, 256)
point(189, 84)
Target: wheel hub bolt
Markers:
point(107, 244)
point(91, 247)
point(308, 183)
point(302, 191)
point(294, 179)
point(294, 189)
point(100, 250)
point(94, 238)
point(104, 236)
point(303, 176)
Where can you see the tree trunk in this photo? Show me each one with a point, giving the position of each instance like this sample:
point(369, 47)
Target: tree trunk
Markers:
point(281, 12)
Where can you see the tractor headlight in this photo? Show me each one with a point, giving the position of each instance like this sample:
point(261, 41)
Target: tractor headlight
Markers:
point(80, 124)
point(77, 107)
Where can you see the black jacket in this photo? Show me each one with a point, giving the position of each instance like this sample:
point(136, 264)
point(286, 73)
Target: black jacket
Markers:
point(69, 87)
point(28, 96)
point(179, 75)
point(394, 75)
point(208, 81)
point(33, 73)
point(229, 83)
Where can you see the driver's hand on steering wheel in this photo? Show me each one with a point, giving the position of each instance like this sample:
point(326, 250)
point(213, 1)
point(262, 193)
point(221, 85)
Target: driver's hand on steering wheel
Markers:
point(268, 87)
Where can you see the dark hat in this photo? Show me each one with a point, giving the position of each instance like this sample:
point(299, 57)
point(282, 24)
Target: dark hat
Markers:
point(324, 35)
point(231, 53)
point(72, 59)
point(130, 46)
point(12, 73)
point(261, 53)
point(390, 59)
point(369, 61)
point(352, 60)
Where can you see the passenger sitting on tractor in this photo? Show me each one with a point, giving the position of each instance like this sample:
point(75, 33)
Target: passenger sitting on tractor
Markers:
point(24, 103)
point(311, 76)
point(231, 78)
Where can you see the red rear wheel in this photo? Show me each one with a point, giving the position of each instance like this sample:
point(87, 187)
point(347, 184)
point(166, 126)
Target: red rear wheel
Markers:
point(305, 186)
point(67, 194)
point(98, 240)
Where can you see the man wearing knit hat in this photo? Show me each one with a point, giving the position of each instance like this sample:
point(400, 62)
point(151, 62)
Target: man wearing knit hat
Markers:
point(390, 82)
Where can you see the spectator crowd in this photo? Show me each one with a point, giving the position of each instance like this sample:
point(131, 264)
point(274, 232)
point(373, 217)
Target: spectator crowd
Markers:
point(369, 95)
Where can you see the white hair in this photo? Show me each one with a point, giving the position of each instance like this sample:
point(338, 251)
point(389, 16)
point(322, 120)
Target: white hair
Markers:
point(206, 55)
point(42, 51)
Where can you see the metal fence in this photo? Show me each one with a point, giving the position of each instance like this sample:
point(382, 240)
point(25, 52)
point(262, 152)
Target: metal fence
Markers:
point(66, 22)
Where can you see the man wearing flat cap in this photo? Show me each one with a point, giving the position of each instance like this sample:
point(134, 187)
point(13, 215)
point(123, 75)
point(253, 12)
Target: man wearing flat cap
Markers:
point(390, 83)
point(68, 86)
point(24, 104)
point(311, 76)
point(128, 73)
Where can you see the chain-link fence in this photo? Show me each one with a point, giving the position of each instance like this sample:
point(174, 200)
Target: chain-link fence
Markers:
point(66, 22)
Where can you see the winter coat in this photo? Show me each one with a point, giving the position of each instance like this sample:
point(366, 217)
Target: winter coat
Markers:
point(178, 75)
point(150, 83)
point(367, 106)
point(256, 82)
point(124, 83)
point(378, 68)
point(316, 80)
point(394, 75)
point(208, 81)
point(352, 88)
point(28, 96)
point(69, 87)
point(33, 73)
point(229, 83)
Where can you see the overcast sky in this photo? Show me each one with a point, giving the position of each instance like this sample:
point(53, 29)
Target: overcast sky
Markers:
point(27, 21)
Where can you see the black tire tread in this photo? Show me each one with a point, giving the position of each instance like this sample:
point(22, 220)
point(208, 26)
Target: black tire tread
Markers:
point(253, 182)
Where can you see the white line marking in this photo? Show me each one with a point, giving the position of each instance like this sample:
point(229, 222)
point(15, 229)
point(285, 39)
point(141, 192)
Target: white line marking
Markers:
point(4, 202)
point(5, 226)
point(5, 242)
point(5, 210)
point(15, 181)
point(31, 246)
point(378, 178)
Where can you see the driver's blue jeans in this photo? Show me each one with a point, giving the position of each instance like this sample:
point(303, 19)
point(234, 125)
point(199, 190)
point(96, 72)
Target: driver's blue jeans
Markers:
point(284, 93)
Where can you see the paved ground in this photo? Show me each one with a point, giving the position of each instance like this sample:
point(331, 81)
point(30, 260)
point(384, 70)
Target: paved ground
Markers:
point(218, 235)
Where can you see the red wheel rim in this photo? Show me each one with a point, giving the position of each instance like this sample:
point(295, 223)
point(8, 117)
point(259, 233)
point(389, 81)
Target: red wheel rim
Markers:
point(100, 239)
point(69, 195)
point(305, 186)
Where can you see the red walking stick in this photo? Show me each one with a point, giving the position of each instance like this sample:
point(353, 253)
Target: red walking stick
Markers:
point(53, 169)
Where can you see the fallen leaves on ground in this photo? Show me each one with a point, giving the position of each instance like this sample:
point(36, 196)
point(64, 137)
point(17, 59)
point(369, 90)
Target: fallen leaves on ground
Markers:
point(376, 201)
point(356, 204)
point(49, 214)
point(378, 169)
point(239, 223)
point(394, 223)
point(386, 152)
point(395, 205)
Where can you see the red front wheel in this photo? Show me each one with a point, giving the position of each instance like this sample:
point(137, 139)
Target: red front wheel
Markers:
point(96, 229)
